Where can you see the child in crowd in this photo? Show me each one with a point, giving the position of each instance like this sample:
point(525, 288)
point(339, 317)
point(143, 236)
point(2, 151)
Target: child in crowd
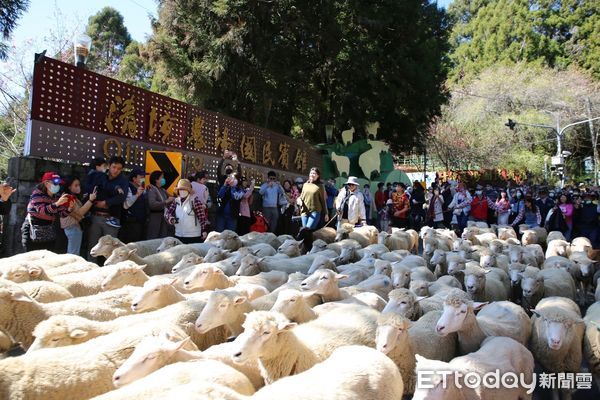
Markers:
point(385, 215)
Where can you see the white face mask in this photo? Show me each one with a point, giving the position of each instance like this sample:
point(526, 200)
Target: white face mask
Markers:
point(478, 193)
point(234, 183)
point(54, 188)
point(142, 181)
point(183, 194)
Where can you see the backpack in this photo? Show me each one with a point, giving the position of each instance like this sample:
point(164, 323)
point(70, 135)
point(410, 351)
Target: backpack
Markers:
point(260, 224)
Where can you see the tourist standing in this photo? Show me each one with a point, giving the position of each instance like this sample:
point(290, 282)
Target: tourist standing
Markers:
point(312, 201)
point(380, 201)
point(331, 192)
point(529, 215)
point(229, 196)
point(502, 207)
point(401, 206)
point(435, 209)
point(135, 208)
point(245, 218)
point(567, 209)
point(479, 206)
point(544, 203)
point(187, 214)
point(369, 202)
point(350, 204)
point(417, 200)
point(70, 219)
point(158, 200)
point(37, 231)
point(271, 192)
point(461, 206)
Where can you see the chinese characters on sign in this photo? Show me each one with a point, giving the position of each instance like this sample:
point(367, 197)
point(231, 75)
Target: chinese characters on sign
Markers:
point(121, 118)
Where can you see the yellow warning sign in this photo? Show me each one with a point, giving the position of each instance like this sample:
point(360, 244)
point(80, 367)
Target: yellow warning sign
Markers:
point(169, 162)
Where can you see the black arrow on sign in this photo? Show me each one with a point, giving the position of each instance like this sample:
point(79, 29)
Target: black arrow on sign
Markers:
point(167, 168)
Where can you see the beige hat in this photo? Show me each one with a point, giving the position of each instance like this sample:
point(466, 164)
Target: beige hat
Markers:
point(183, 184)
point(352, 181)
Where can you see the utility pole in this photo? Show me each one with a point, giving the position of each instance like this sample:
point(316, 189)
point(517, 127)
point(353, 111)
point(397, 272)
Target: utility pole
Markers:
point(594, 136)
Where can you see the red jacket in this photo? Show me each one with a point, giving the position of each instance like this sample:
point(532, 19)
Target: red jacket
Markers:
point(380, 199)
point(479, 208)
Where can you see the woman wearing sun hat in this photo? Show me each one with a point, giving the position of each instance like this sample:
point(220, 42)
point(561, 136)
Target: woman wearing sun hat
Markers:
point(187, 213)
point(350, 204)
point(37, 231)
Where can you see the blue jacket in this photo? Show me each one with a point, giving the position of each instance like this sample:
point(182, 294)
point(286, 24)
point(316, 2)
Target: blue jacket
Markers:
point(271, 195)
point(112, 191)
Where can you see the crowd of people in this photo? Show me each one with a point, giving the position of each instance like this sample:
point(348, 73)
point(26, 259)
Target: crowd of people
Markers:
point(108, 202)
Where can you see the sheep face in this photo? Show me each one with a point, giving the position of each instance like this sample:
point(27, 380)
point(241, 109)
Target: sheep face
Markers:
point(168, 243)
point(220, 310)
point(322, 281)
point(59, 331)
point(383, 267)
point(487, 260)
point(187, 261)
point(150, 354)
point(452, 318)
point(259, 338)
point(456, 267)
point(515, 253)
point(149, 296)
point(291, 248)
point(438, 257)
point(105, 246)
point(289, 301)
point(388, 336)
point(318, 245)
point(496, 246)
point(229, 241)
point(515, 271)
point(123, 276)
point(202, 277)
point(400, 304)
point(420, 288)
point(586, 267)
point(347, 255)
point(215, 254)
point(529, 237)
point(429, 246)
point(560, 248)
point(119, 255)
point(532, 285)
point(557, 329)
point(475, 282)
point(21, 273)
point(249, 265)
point(400, 277)
point(321, 262)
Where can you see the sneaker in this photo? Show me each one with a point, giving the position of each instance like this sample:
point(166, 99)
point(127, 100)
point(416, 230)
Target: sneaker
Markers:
point(113, 222)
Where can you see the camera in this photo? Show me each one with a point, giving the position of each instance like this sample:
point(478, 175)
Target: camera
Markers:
point(176, 220)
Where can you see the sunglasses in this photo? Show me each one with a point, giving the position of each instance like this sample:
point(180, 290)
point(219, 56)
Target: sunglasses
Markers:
point(272, 179)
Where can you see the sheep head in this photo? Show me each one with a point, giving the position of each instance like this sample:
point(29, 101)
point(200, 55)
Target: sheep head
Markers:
point(291, 247)
point(557, 325)
point(120, 254)
point(20, 273)
point(186, 261)
point(321, 262)
point(291, 302)
point(402, 302)
point(168, 243)
point(420, 288)
point(322, 281)
point(215, 254)
point(151, 294)
point(62, 330)
point(392, 330)
point(532, 283)
point(383, 267)
point(222, 308)
point(457, 306)
point(151, 354)
point(249, 265)
point(400, 276)
point(318, 245)
point(259, 338)
point(105, 246)
point(475, 280)
point(204, 277)
point(125, 274)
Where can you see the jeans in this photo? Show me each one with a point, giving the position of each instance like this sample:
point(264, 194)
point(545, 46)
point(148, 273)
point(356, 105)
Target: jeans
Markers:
point(462, 219)
point(225, 222)
point(75, 236)
point(311, 221)
point(271, 214)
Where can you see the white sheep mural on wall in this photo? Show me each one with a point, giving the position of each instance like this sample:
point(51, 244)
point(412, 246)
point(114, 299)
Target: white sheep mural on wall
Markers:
point(348, 136)
point(342, 163)
point(369, 161)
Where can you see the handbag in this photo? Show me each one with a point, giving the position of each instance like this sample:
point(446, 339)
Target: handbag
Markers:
point(40, 233)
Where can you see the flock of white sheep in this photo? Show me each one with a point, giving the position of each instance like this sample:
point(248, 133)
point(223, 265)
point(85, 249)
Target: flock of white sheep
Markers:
point(357, 317)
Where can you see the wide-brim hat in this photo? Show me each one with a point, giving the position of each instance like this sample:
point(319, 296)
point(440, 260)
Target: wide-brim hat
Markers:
point(352, 180)
point(184, 184)
point(299, 180)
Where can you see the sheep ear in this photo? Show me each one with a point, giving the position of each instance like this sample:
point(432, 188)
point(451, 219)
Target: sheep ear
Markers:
point(261, 259)
point(286, 326)
point(419, 298)
point(300, 241)
point(536, 313)
point(478, 306)
point(239, 300)
point(20, 296)
point(78, 334)
point(487, 271)
point(132, 251)
point(35, 271)
point(141, 267)
point(255, 252)
point(173, 282)
point(340, 276)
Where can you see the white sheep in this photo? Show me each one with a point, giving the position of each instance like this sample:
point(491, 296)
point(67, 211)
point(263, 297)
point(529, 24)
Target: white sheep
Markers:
point(187, 261)
point(558, 247)
point(208, 277)
point(78, 372)
point(365, 235)
point(591, 340)
point(394, 242)
point(506, 232)
point(497, 355)
point(294, 305)
point(229, 240)
point(581, 244)
point(533, 235)
point(546, 283)
point(484, 285)
point(156, 264)
point(557, 336)
point(252, 238)
point(284, 348)
point(426, 288)
point(107, 244)
point(224, 308)
point(501, 318)
point(291, 248)
point(45, 291)
point(19, 314)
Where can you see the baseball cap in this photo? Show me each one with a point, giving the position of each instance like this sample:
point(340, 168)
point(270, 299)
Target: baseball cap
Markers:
point(52, 176)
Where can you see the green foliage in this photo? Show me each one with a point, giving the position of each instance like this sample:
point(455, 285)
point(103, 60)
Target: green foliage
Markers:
point(135, 68)
point(110, 39)
point(295, 66)
point(10, 11)
point(546, 32)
